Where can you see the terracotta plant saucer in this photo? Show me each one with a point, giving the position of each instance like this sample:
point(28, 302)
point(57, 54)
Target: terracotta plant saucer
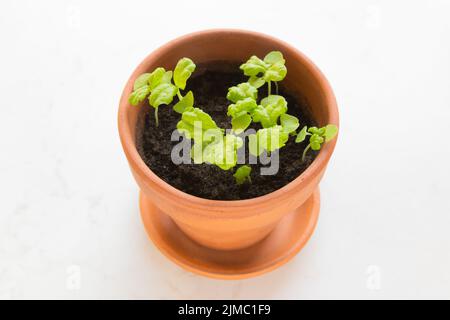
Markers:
point(283, 243)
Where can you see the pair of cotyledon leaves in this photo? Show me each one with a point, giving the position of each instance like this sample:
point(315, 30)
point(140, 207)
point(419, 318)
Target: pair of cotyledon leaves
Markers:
point(210, 144)
point(158, 86)
point(317, 135)
point(271, 68)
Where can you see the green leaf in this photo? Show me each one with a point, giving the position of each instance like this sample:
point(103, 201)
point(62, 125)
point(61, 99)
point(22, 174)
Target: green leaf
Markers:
point(241, 123)
point(197, 152)
point(195, 114)
point(196, 118)
point(318, 131)
point(275, 72)
point(162, 94)
point(274, 57)
point(316, 141)
point(273, 107)
point(159, 76)
point(141, 81)
point(269, 139)
point(289, 123)
point(313, 130)
point(301, 136)
point(256, 82)
point(139, 95)
point(274, 101)
point(253, 145)
point(183, 71)
point(186, 102)
point(242, 91)
point(254, 66)
point(242, 174)
point(186, 128)
point(223, 153)
point(330, 132)
point(167, 77)
point(241, 107)
point(261, 115)
point(272, 138)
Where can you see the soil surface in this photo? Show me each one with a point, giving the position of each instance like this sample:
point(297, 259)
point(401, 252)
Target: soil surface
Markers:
point(210, 84)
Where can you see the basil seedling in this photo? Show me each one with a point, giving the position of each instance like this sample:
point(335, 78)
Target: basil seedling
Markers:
point(271, 69)
point(158, 87)
point(242, 174)
point(318, 136)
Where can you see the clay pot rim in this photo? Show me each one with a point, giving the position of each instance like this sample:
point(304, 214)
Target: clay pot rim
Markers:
point(222, 206)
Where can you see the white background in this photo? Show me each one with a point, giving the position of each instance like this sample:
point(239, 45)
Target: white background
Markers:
point(69, 222)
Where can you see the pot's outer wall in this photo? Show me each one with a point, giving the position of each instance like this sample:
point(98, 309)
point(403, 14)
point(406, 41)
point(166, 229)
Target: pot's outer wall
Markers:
point(231, 224)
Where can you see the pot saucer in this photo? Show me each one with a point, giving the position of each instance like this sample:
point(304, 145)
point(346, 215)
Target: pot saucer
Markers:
point(283, 243)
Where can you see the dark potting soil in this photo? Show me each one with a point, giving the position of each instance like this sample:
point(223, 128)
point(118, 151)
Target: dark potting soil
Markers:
point(210, 84)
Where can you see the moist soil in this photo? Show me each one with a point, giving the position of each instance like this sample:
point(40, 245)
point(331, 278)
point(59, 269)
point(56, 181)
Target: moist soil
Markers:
point(210, 83)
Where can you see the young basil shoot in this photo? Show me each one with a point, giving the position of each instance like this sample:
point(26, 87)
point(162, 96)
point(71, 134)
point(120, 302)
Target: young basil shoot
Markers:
point(271, 69)
point(242, 175)
point(318, 136)
point(158, 87)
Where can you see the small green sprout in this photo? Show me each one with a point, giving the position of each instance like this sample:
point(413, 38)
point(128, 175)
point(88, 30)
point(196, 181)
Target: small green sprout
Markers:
point(242, 174)
point(271, 69)
point(318, 136)
point(158, 87)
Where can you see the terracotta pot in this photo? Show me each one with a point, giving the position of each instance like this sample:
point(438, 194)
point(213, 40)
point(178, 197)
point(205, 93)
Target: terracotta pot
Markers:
point(229, 225)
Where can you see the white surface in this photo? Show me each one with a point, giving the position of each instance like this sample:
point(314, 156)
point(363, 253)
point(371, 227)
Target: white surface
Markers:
point(69, 222)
